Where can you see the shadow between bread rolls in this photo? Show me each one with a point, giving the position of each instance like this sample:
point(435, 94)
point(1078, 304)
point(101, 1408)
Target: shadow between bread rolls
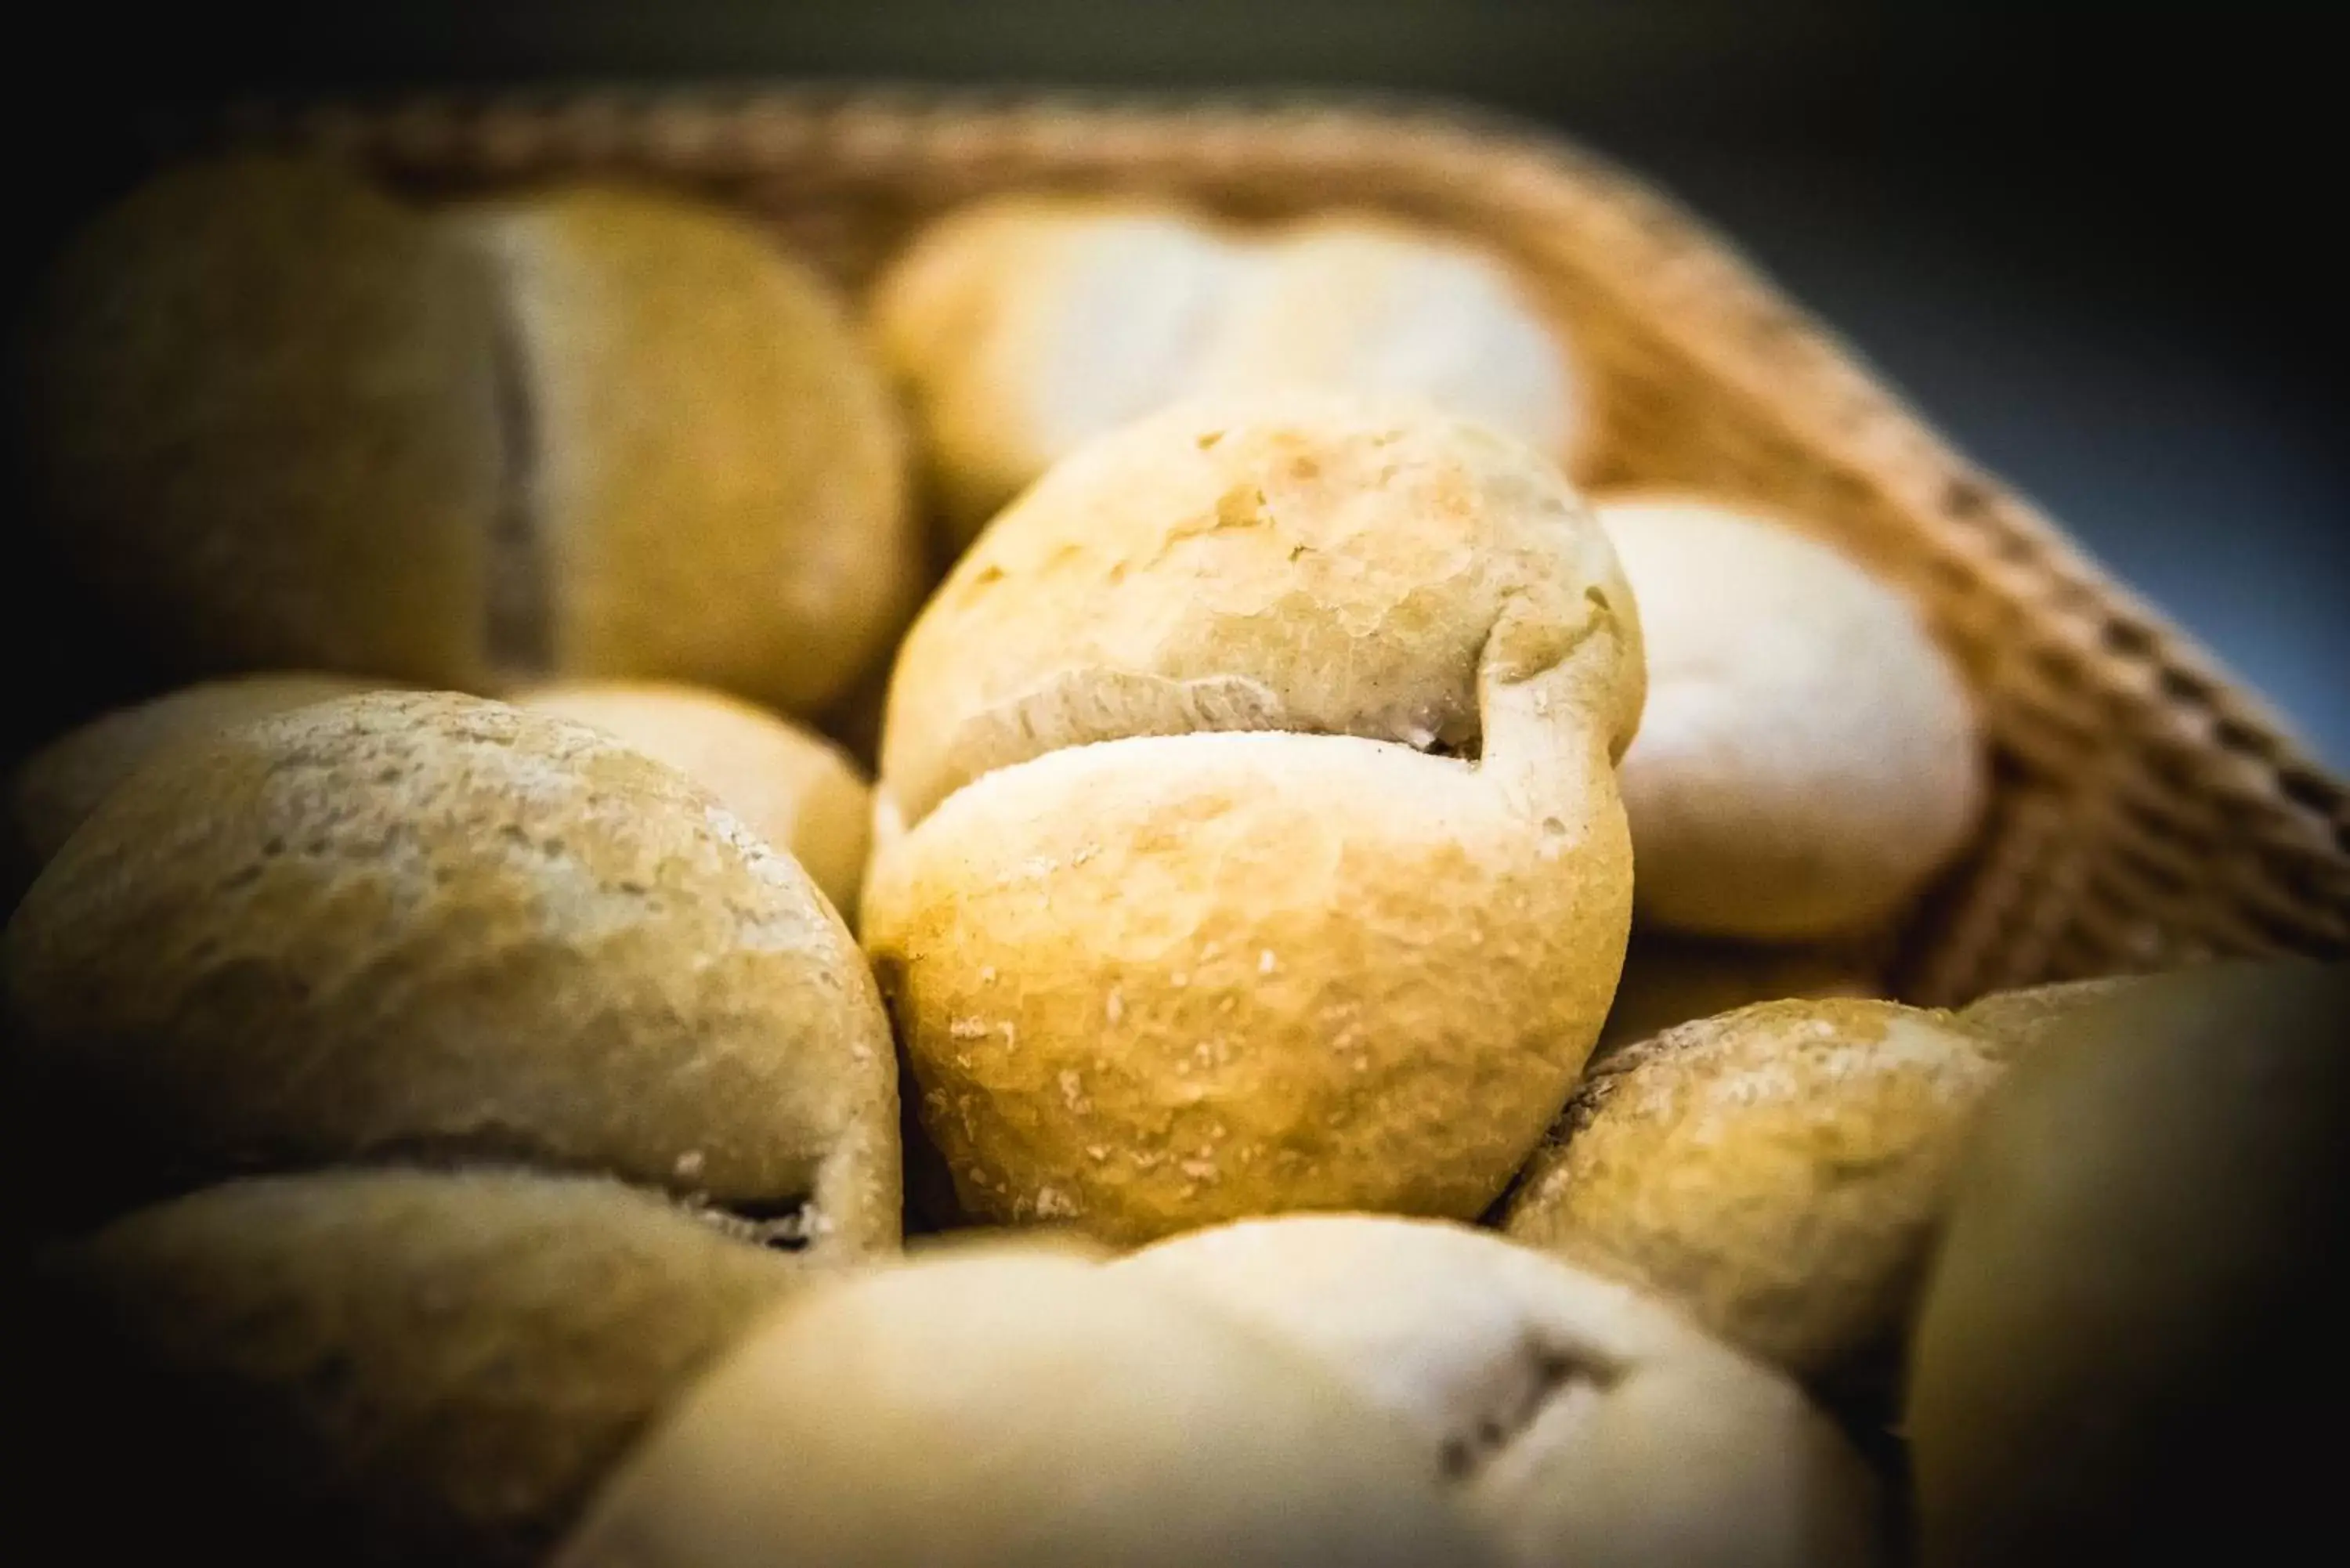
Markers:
point(1247, 828)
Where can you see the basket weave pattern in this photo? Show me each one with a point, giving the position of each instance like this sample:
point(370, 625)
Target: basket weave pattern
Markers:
point(2146, 813)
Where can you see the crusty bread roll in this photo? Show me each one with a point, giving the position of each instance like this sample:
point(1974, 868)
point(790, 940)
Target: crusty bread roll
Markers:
point(788, 784)
point(715, 488)
point(1584, 1426)
point(1670, 979)
point(430, 925)
point(380, 1366)
point(2018, 1020)
point(1247, 834)
point(283, 420)
point(1808, 757)
point(996, 1409)
point(262, 406)
point(62, 783)
point(1027, 326)
point(1777, 1172)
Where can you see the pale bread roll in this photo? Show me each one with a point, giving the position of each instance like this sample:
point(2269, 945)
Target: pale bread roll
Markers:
point(1001, 1409)
point(1584, 1426)
point(1026, 325)
point(61, 784)
point(1152, 972)
point(1808, 758)
point(401, 925)
point(789, 786)
point(386, 1364)
point(1777, 1172)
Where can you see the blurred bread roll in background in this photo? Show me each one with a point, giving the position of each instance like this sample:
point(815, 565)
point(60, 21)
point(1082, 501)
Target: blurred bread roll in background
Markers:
point(62, 783)
point(990, 1408)
point(788, 784)
point(1188, 897)
point(1808, 757)
point(1584, 1426)
point(1777, 1172)
point(282, 420)
point(1026, 325)
point(377, 1365)
point(432, 927)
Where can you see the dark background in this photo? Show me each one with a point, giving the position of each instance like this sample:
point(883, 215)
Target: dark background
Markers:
point(2087, 239)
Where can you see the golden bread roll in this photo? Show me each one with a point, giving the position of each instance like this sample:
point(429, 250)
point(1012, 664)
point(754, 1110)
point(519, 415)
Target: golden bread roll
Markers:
point(262, 405)
point(373, 1365)
point(283, 419)
point(1247, 836)
point(789, 786)
point(1808, 757)
point(1670, 979)
point(2019, 1019)
point(1777, 1172)
point(2134, 1312)
point(61, 784)
point(999, 1409)
point(1582, 1426)
point(1027, 326)
point(715, 488)
point(403, 924)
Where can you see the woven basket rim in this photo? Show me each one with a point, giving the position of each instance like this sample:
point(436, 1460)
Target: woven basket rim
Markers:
point(666, 121)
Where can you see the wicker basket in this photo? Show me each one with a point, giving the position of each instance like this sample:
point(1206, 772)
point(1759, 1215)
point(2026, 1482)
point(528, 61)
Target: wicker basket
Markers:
point(2147, 812)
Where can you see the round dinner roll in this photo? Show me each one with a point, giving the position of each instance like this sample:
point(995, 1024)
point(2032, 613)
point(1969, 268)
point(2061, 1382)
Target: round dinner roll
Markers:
point(1582, 1426)
point(994, 1408)
point(279, 418)
point(1808, 757)
point(261, 412)
point(716, 485)
point(1670, 979)
point(788, 784)
point(1247, 836)
point(377, 1365)
point(61, 784)
point(2133, 1330)
point(430, 926)
point(1026, 325)
point(2019, 1020)
point(1777, 1172)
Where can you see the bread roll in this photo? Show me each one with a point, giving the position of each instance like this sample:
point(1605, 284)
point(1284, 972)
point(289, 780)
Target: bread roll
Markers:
point(1777, 1172)
point(61, 784)
point(1027, 326)
point(2020, 1020)
point(283, 420)
point(1669, 980)
point(1248, 833)
point(788, 784)
point(379, 1366)
point(262, 406)
point(1004, 1410)
point(1581, 1424)
point(2136, 1309)
point(429, 925)
point(1808, 758)
point(715, 488)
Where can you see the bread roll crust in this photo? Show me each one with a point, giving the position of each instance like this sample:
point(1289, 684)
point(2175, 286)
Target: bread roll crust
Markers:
point(425, 923)
point(1777, 1172)
point(1151, 973)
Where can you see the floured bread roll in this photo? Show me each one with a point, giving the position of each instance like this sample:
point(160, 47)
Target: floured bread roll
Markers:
point(1247, 836)
point(382, 1365)
point(430, 926)
point(788, 784)
point(1777, 1172)
point(1808, 757)
point(62, 783)
point(1001, 1409)
point(2020, 1020)
point(283, 419)
point(1582, 1426)
point(1027, 326)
